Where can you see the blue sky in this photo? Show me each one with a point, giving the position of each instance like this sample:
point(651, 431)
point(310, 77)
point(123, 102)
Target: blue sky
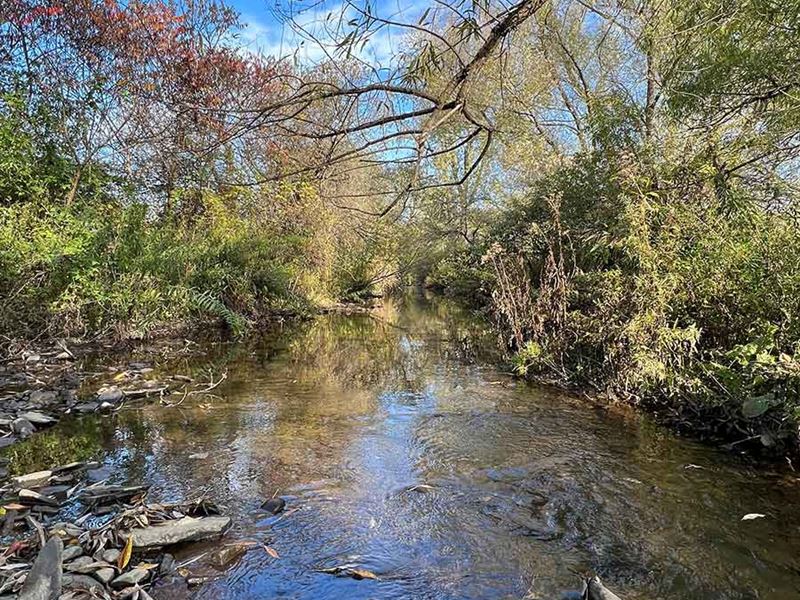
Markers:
point(265, 32)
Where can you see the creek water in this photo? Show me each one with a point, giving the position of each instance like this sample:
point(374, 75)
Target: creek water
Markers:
point(403, 448)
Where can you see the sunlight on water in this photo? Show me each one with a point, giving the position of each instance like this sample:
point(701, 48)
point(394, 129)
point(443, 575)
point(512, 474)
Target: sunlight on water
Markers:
point(406, 451)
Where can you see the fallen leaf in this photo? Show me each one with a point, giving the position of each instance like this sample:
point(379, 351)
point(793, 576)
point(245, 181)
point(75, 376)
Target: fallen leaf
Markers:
point(751, 516)
point(125, 555)
point(16, 547)
point(272, 552)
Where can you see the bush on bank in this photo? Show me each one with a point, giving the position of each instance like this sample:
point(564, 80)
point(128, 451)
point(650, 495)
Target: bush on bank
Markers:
point(668, 294)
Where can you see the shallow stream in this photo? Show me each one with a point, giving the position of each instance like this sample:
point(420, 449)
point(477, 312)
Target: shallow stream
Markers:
point(402, 448)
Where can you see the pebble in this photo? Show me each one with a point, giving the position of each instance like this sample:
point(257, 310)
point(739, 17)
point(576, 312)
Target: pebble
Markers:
point(72, 581)
point(106, 574)
point(79, 564)
point(71, 552)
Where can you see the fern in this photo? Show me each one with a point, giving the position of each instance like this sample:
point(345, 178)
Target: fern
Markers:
point(208, 303)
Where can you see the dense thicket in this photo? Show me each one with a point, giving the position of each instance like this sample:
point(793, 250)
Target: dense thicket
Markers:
point(637, 231)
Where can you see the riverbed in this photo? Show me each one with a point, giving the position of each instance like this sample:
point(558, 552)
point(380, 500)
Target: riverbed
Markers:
point(402, 447)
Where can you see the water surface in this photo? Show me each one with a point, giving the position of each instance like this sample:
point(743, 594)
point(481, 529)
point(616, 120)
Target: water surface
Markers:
point(404, 449)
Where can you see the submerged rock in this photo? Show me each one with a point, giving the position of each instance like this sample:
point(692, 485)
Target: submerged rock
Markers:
point(44, 580)
point(171, 588)
point(97, 475)
point(187, 529)
point(226, 555)
point(274, 505)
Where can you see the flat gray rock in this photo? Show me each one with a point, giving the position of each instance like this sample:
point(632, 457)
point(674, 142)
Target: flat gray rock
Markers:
point(30, 497)
point(79, 562)
point(37, 418)
point(44, 580)
point(32, 480)
point(81, 582)
point(130, 578)
point(41, 397)
point(187, 529)
point(109, 394)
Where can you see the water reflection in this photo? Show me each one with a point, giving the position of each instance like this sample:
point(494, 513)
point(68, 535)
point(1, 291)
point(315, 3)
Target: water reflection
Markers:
point(408, 453)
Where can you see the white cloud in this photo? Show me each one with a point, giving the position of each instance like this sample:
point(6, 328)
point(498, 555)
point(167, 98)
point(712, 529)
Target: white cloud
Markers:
point(310, 34)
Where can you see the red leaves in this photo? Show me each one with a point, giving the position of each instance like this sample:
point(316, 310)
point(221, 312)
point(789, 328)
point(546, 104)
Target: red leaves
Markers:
point(160, 76)
point(28, 17)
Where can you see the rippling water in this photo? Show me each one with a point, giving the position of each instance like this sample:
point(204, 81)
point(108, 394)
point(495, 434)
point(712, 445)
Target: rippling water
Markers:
point(403, 449)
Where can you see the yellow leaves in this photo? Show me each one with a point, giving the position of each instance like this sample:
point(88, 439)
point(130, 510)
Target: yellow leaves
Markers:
point(125, 555)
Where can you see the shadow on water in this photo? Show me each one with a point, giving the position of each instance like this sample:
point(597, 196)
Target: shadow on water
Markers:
point(409, 453)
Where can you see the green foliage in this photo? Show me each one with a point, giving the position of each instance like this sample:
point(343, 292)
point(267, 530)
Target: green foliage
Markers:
point(670, 298)
point(27, 169)
point(85, 269)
